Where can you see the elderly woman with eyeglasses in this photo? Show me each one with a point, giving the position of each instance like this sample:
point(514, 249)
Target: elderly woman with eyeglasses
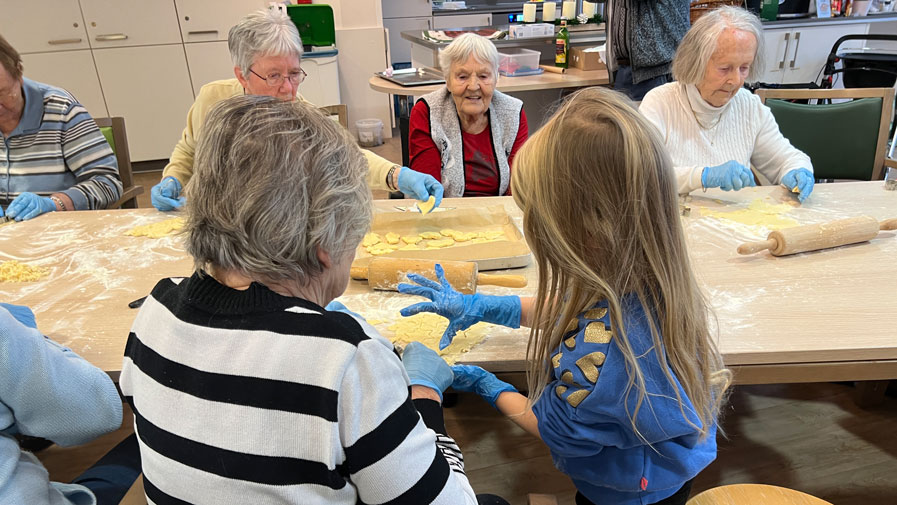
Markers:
point(713, 127)
point(466, 134)
point(266, 50)
point(247, 383)
point(52, 155)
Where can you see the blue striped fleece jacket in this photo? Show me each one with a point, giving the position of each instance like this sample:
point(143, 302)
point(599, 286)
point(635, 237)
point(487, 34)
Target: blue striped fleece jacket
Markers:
point(57, 148)
point(252, 397)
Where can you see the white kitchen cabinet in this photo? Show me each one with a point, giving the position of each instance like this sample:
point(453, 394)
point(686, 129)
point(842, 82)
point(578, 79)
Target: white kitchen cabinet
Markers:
point(797, 55)
point(33, 27)
point(72, 71)
point(321, 86)
point(406, 8)
point(399, 48)
point(150, 87)
point(126, 23)
point(462, 21)
point(208, 61)
point(210, 20)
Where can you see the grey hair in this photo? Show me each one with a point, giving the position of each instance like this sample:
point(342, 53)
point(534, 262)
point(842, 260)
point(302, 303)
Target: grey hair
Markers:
point(701, 41)
point(265, 32)
point(465, 46)
point(273, 183)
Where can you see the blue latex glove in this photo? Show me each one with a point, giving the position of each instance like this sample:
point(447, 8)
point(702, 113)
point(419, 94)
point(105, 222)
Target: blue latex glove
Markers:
point(419, 186)
point(28, 205)
point(167, 194)
point(729, 176)
point(462, 311)
point(22, 314)
point(802, 179)
point(426, 368)
point(335, 306)
point(473, 379)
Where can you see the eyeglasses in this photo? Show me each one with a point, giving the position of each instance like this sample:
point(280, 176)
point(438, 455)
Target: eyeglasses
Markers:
point(275, 80)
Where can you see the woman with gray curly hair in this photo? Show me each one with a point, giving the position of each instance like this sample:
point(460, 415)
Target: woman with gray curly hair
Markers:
point(714, 128)
point(267, 53)
point(246, 382)
point(466, 134)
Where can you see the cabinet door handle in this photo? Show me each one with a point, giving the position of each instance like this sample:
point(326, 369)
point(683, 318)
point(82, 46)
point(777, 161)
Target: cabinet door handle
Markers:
point(111, 36)
point(63, 41)
point(202, 32)
point(785, 52)
point(796, 47)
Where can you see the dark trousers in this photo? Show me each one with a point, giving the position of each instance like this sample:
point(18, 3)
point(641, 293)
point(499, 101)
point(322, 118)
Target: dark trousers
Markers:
point(623, 83)
point(678, 498)
point(491, 499)
point(115, 473)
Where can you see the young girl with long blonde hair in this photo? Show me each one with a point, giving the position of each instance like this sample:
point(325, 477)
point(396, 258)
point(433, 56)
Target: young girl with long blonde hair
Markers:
point(625, 381)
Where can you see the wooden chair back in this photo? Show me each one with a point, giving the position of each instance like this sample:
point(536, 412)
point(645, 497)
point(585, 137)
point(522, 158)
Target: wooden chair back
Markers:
point(119, 144)
point(341, 111)
point(754, 494)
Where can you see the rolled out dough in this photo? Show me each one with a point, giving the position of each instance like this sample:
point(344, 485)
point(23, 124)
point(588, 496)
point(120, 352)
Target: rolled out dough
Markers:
point(157, 230)
point(427, 328)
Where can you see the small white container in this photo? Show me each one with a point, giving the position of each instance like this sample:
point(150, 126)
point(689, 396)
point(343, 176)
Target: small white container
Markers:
point(370, 132)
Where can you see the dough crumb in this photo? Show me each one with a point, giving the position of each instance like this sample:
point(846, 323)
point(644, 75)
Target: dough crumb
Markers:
point(157, 230)
point(14, 271)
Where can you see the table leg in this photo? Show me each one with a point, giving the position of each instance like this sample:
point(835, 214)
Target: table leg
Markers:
point(404, 111)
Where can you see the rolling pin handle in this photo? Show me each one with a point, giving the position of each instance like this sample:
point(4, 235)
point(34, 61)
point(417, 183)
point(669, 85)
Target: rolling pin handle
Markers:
point(508, 281)
point(359, 273)
point(888, 224)
point(755, 247)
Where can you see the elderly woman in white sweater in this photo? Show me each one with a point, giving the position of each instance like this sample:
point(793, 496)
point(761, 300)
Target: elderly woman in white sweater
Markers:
point(713, 127)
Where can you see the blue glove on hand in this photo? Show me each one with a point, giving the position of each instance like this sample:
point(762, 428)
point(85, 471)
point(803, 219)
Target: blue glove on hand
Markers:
point(29, 205)
point(462, 311)
point(167, 194)
point(419, 186)
point(335, 306)
point(729, 176)
point(426, 368)
point(799, 178)
point(473, 379)
point(22, 314)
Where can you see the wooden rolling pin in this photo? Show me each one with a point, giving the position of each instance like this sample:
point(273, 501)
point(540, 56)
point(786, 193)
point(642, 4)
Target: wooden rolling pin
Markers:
point(819, 236)
point(387, 273)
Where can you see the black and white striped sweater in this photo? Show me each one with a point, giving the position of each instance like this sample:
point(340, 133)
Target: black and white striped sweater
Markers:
point(252, 397)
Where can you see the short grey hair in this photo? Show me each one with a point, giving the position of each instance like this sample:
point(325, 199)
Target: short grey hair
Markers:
point(265, 32)
point(465, 46)
point(701, 41)
point(273, 182)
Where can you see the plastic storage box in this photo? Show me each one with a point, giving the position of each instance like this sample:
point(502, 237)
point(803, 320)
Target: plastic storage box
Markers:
point(370, 132)
point(513, 61)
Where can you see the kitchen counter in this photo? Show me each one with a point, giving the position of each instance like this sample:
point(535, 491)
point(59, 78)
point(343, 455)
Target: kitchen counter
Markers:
point(579, 34)
point(470, 9)
point(814, 21)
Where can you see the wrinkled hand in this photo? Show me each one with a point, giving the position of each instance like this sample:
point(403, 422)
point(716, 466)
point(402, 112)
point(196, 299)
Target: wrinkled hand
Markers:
point(419, 186)
point(800, 179)
point(729, 176)
point(426, 368)
point(22, 314)
point(462, 311)
point(335, 306)
point(28, 205)
point(473, 379)
point(167, 194)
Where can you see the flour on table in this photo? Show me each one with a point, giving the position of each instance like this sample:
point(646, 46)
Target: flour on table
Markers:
point(14, 271)
point(157, 230)
point(427, 328)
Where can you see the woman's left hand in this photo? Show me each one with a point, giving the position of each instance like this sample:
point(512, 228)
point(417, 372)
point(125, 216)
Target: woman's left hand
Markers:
point(419, 186)
point(800, 179)
point(29, 205)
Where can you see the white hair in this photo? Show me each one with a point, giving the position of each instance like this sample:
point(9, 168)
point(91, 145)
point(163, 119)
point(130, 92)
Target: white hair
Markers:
point(702, 40)
point(265, 32)
point(465, 46)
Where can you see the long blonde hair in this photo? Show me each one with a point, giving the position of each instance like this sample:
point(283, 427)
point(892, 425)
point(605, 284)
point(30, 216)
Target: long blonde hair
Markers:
point(597, 190)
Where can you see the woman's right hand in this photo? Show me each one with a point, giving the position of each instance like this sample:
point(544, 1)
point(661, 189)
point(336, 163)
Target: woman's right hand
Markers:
point(462, 311)
point(729, 176)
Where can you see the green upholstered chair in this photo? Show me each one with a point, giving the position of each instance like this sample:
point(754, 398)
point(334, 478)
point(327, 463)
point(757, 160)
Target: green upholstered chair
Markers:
point(844, 140)
point(113, 129)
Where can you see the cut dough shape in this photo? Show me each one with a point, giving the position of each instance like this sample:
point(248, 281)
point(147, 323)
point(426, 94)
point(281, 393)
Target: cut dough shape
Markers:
point(370, 239)
point(427, 207)
point(427, 328)
point(392, 238)
point(439, 244)
point(430, 235)
point(379, 249)
point(409, 247)
point(157, 230)
point(411, 239)
point(14, 271)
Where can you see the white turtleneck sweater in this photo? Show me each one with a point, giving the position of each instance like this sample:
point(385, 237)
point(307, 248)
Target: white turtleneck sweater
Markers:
point(700, 135)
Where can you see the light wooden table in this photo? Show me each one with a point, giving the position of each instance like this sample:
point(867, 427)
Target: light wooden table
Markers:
point(822, 316)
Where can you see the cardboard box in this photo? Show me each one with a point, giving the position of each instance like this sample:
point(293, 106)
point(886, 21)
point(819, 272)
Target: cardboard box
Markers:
point(529, 31)
point(585, 60)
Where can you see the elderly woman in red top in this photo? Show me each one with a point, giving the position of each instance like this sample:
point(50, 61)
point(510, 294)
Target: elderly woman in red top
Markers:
point(466, 134)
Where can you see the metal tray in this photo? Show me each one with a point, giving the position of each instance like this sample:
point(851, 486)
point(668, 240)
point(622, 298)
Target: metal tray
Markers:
point(413, 77)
